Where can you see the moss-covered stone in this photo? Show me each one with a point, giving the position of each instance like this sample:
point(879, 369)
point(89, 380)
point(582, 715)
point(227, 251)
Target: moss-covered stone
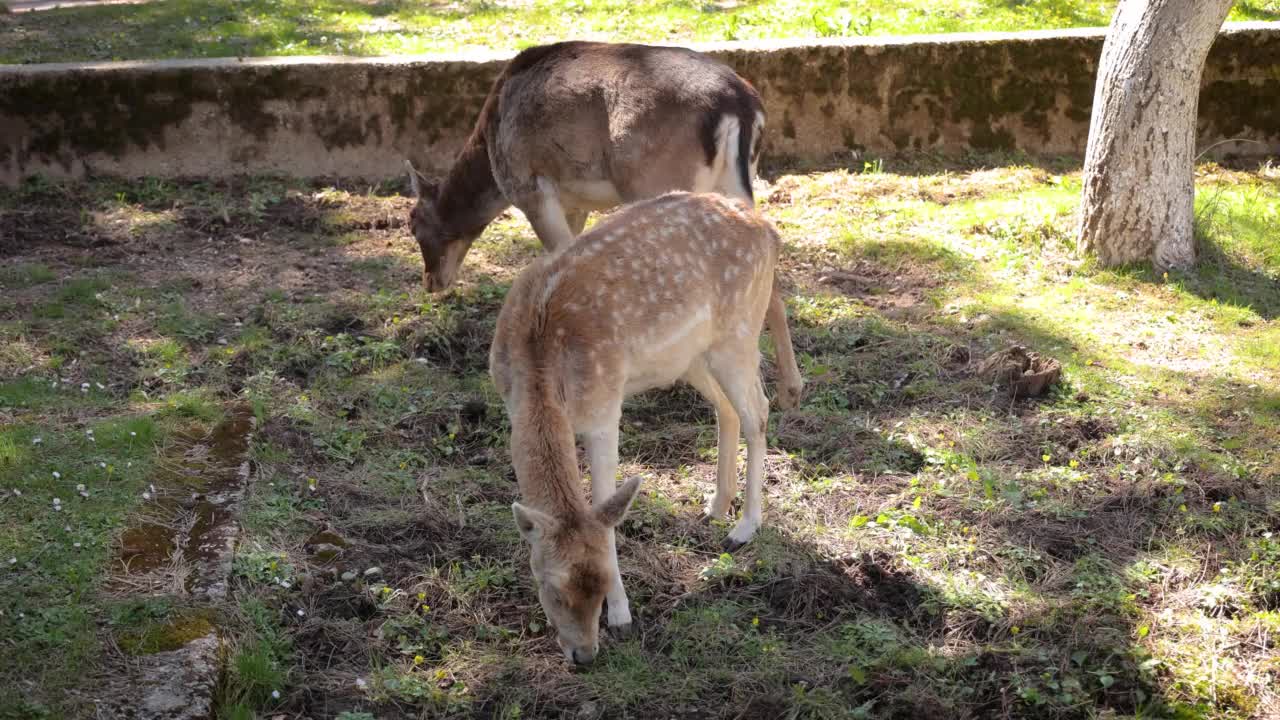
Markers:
point(166, 636)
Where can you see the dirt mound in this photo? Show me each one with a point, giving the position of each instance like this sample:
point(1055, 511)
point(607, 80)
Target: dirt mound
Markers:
point(1022, 372)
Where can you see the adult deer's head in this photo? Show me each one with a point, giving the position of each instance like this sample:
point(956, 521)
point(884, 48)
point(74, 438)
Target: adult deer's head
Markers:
point(442, 247)
point(573, 568)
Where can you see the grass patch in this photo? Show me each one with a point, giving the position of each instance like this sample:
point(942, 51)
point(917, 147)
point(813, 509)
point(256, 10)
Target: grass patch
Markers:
point(25, 275)
point(217, 28)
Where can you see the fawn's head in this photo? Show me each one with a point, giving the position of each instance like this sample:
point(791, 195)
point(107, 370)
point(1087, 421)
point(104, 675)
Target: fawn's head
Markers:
point(573, 569)
point(442, 248)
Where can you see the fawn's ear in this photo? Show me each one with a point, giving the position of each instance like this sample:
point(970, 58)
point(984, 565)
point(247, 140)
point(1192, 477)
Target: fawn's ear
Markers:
point(419, 183)
point(532, 524)
point(611, 511)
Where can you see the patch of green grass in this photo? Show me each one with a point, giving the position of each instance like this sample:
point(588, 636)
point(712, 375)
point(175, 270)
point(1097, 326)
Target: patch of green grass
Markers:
point(178, 320)
point(193, 404)
point(258, 664)
point(215, 28)
point(1239, 261)
point(81, 291)
point(55, 554)
point(25, 275)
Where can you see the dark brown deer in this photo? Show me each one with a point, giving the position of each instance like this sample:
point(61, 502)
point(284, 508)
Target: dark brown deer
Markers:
point(576, 127)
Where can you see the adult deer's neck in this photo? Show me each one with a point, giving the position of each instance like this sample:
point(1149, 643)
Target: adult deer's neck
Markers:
point(469, 198)
point(543, 450)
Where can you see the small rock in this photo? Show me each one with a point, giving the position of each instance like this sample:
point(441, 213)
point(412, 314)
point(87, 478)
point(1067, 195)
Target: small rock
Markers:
point(373, 572)
point(325, 552)
point(327, 537)
point(349, 576)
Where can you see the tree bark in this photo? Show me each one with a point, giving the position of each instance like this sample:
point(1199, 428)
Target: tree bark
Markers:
point(1139, 191)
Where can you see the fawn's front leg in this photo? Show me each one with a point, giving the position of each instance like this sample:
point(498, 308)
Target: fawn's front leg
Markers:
point(602, 454)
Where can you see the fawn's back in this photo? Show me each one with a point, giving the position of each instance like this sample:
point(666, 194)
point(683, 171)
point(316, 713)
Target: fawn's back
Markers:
point(636, 300)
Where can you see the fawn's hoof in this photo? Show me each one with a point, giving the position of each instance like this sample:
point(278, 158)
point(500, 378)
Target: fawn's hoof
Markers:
point(623, 631)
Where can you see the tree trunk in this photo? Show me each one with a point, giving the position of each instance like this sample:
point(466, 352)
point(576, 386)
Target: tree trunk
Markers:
point(1139, 190)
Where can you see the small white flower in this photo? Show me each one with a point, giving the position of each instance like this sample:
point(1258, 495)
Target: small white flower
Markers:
point(300, 612)
point(102, 465)
point(75, 545)
point(360, 683)
point(84, 493)
point(36, 441)
point(133, 434)
point(17, 492)
point(275, 694)
point(84, 386)
point(153, 489)
point(56, 475)
point(101, 386)
point(79, 487)
point(285, 584)
point(66, 528)
point(146, 496)
point(13, 561)
point(88, 431)
point(53, 386)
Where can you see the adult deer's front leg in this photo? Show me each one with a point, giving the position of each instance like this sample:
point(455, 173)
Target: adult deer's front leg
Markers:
point(602, 454)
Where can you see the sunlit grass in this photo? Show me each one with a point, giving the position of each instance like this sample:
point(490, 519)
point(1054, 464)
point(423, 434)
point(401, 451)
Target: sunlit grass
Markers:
point(218, 28)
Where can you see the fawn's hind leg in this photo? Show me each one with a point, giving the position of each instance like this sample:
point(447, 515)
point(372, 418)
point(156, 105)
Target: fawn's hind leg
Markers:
point(737, 369)
point(728, 429)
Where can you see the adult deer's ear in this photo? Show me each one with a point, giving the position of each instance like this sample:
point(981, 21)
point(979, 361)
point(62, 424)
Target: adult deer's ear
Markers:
point(532, 524)
point(418, 182)
point(611, 511)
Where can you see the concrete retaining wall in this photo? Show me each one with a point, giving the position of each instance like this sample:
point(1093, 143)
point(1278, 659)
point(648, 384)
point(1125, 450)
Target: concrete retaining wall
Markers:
point(361, 117)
